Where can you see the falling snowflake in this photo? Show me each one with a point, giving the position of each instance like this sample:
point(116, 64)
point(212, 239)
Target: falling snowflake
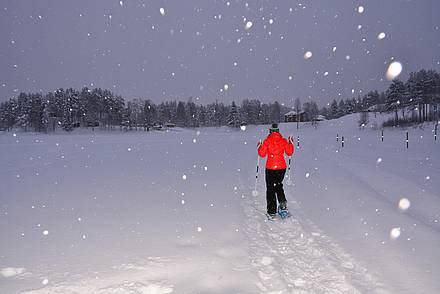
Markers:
point(395, 233)
point(243, 128)
point(361, 9)
point(184, 177)
point(381, 36)
point(45, 232)
point(226, 87)
point(379, 160)
point(394, 70)
point(162, 11)
point(308, 55)
point(404, 204)
point(121, 3)
point(45, 281)
point(199, 229)
point(248, 25)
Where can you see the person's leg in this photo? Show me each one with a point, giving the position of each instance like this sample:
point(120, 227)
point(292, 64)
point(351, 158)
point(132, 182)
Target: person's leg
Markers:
point(270, 192)
point(279, 186)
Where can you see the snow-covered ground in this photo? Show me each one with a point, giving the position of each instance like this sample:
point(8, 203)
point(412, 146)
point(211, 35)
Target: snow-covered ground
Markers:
point(174, 212)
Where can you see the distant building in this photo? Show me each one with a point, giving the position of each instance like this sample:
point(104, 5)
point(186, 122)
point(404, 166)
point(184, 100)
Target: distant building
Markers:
point(320, 117)
point(170, 125)
point(376, 108)
point(157, 126)
point(292, 116)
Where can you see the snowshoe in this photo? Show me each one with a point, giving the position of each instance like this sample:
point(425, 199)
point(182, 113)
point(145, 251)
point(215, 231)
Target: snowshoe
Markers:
point(270, 216)
point(283, 211)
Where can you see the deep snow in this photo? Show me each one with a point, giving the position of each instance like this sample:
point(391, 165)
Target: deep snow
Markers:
point(174, 212)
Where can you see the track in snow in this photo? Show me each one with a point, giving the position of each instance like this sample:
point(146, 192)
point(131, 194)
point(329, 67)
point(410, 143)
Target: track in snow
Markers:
point(293, 256)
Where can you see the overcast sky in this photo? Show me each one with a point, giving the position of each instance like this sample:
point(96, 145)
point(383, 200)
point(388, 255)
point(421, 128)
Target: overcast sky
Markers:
point(173, 50)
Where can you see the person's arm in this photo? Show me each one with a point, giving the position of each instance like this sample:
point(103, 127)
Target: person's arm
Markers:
point(262, 148)
point(289, 148)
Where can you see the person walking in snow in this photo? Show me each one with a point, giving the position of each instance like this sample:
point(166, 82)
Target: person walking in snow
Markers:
point(274, 146)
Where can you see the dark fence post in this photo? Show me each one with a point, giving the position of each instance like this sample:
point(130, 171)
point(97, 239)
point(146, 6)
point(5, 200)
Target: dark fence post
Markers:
point(343, 141)
point(435, 132)
point(297, 141)
point(337, 137)
point(407, 139)
point(382, 135)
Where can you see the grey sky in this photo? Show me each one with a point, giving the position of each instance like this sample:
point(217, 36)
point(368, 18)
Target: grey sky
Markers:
point(192, 50)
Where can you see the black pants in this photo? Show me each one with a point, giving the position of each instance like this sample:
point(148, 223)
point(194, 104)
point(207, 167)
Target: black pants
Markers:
point(274, 189)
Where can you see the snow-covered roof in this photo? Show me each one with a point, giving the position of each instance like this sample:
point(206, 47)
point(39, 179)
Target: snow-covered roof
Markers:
point(376, 107)
point(293, 112)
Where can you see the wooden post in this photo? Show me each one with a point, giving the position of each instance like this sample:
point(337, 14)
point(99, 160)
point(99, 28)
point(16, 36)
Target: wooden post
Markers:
point(407, 140)
point(382, 135)
point(337, 137)
point(343, 141)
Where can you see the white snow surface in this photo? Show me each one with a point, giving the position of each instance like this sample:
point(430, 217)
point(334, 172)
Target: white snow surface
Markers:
point(123, 220)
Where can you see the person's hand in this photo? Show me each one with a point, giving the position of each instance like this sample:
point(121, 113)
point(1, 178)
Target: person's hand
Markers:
point(259, 144)
point(291, 141)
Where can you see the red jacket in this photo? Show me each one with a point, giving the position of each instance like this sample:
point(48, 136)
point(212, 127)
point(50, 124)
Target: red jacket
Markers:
point(274, 146)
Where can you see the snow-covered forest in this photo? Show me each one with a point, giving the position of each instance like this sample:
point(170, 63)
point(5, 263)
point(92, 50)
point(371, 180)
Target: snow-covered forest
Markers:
point(417, 100)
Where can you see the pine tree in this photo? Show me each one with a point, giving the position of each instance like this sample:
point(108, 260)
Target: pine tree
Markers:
point(8, 114)
point(233, 118)
point(393, 96)
point(24, 109)
point(306, 108)
point(190, 113)
point(36, 112)
point(342, 110)
point(334, 111)
point(314, 112)
point(275, 112)
point(372, 98)
point(149, 113)
point(181, 114)
point(70, 110)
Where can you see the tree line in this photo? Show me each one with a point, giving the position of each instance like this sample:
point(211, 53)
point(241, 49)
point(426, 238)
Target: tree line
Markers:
point(69, 108)
point(416, 100)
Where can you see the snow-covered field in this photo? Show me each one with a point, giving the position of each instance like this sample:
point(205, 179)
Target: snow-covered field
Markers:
point(174, 212)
